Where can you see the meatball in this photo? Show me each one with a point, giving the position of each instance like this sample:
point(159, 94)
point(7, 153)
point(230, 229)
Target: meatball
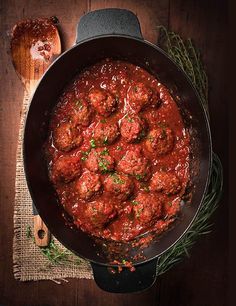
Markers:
point(99, 160)
point(132, 128)
point(65, 169)
point(147, 208)
point(88, 185)
point(119, 185)
point(105, 133)
point(103, 101)
point(134, 163)
point(140, 95)
point(99, 213)
point(81, 113)
point(166, 182)
point(160, 140)
point(66, 137)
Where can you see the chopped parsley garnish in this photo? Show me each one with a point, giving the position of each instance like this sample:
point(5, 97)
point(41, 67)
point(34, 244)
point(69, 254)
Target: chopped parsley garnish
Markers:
point(94, 209)
point(92, 143)
point(139, 176)
point(103, 121)
point(118, 148)
point(105, 152)
point(85, 155)
point(105, 141)
point(151, 138)
point(124, 261)
point(116, 179)
point(146, 188)
point(130, 119)
point(138, 213)
point(134, 202)
point(103, 165)
point(79, 104)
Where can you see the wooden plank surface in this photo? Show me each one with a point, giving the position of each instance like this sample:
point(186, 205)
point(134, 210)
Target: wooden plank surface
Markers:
point(200, 280)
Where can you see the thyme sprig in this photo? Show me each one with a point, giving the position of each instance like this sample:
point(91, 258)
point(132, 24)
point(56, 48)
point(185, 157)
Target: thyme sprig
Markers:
point(188, 58)
point(55, 254)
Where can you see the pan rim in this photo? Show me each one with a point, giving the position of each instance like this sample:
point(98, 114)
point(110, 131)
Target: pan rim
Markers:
point(207, 126)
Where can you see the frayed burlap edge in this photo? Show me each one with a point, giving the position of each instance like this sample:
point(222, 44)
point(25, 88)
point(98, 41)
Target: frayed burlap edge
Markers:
point(29, 263)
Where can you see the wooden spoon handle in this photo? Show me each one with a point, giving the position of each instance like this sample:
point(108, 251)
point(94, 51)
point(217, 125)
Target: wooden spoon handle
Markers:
point(34, 45)
point(42, 235)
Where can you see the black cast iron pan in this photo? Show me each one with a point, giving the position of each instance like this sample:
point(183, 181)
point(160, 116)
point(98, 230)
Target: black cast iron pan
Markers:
point(113, 33)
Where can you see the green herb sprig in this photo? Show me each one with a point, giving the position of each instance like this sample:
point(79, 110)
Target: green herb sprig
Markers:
point(55, 254)
point(188, 58)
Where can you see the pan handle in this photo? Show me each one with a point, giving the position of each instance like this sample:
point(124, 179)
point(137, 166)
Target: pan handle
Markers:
point(110, 21)
point(126, 281)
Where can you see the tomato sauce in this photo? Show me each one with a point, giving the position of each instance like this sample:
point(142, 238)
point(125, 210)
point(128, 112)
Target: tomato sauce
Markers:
point(118, 152)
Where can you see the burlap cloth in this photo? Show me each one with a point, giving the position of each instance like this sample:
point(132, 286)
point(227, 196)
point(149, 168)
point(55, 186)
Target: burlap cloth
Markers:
point(29, 263)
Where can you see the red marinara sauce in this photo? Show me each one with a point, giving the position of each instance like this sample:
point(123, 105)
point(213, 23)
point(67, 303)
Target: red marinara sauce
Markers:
point(118, 152)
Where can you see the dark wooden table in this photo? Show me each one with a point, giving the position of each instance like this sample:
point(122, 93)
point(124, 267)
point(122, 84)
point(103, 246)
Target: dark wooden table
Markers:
point(200, 280)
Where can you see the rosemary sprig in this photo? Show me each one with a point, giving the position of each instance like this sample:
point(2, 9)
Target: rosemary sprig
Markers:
point(188, 58)
point(55, 254)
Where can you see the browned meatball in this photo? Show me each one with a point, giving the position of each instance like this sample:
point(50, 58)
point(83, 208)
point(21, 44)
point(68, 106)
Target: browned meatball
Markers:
point(167, 182)
point(88, 185)
point(160, 140)
point(65, 169)
point(81, 113)
point(132, 128)
point(140, 95)
point(103, 101)
point(99, 213)
point(119, 185)
point(105, 133)
point(66, 137)
point(147, 208)
point(136, 164)
point(99, 160)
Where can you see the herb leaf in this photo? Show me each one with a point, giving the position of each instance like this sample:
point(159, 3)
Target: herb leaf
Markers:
point(105, 152)
point(92, 143)
point(116, 179)
point(105, 141)
point(79, 104)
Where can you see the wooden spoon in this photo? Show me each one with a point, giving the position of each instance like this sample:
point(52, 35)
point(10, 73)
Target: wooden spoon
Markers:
point(34, 45)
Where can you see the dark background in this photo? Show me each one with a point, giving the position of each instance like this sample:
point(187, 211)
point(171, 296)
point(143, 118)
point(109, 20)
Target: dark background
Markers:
point(202, 279)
